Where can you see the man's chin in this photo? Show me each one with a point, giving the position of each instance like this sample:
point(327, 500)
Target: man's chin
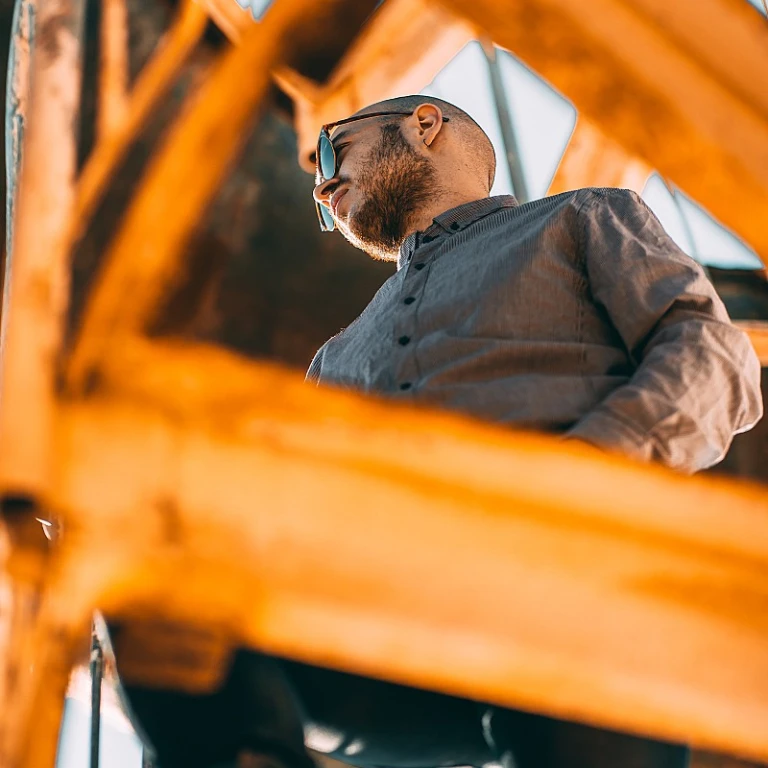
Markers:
point(364, 242)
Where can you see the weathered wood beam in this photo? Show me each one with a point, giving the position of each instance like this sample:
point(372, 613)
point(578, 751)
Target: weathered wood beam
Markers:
point(37, 267)
point(16, 107)
point(36, 288)
point(638, 72)
point(419, 547)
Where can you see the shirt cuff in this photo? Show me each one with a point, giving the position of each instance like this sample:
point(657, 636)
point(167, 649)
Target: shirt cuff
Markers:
point(604, 431)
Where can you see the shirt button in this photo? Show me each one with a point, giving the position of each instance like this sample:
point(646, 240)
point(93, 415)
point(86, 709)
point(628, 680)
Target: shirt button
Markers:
point(409, 300)
point(403, 340)
point(455, 225)
point(406, 385)
point(428, 239)
point(418, 266)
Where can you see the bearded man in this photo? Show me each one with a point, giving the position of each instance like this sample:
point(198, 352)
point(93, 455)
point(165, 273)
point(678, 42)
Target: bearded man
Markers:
point(576, 315)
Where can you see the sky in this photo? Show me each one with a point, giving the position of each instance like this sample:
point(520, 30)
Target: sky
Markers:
point(543, 121)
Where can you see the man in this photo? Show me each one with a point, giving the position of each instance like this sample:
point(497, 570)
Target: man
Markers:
point(575, 314)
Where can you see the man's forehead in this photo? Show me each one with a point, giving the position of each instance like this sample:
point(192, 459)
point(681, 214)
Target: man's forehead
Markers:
point(351, 129)
point(358, 124)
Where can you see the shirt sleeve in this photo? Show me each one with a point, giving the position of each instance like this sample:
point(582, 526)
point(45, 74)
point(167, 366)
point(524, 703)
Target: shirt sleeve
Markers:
point(313, 373)
point(697, 380)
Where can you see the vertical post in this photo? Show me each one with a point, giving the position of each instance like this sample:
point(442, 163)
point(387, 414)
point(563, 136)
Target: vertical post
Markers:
point(41, 119)
point(673, 193)
point(508, 135)
point(37, 264)
point(97, 676)
point(113, 75)
point(17, 95)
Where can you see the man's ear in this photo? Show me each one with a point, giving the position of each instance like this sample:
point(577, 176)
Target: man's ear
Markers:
point(429, 119)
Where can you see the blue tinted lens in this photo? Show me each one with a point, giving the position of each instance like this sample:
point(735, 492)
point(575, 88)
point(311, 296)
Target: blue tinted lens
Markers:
point(326, 160)
point(325, 214)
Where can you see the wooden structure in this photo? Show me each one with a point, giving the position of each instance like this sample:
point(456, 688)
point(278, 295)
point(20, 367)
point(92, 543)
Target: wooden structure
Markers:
point(195, 489)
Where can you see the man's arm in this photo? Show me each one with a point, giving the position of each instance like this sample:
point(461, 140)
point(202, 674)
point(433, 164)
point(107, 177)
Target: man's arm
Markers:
point(313, 372)
point(698, 379)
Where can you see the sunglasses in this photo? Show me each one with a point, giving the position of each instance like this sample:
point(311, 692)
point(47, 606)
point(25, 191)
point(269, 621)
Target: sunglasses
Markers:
point(325, 162)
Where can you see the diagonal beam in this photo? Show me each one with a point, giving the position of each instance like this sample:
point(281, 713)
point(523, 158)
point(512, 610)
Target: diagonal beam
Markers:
point(147, 255)
point(418, 547)
point(153, 82)
point(638, 72)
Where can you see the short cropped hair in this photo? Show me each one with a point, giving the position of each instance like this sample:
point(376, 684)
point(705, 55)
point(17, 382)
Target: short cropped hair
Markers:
point(473, 136)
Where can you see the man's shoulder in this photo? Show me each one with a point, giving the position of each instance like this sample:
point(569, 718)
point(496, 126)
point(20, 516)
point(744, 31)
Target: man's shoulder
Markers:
point(583, 199)
point(587, 197)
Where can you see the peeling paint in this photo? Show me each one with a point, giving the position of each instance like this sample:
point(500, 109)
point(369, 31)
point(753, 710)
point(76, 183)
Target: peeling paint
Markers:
point(17, 90)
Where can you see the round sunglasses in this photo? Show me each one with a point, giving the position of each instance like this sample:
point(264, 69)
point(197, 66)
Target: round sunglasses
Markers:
point(325, 161)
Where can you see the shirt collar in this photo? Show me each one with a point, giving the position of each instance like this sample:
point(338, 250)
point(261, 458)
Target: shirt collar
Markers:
point(454, 220)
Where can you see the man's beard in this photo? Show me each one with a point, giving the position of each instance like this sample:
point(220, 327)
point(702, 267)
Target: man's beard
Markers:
point(395, 181)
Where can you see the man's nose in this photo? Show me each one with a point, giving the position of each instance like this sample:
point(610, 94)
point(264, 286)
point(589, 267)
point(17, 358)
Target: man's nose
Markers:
point(322, 192)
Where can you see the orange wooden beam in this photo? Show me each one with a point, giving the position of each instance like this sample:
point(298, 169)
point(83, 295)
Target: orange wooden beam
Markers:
point(419, 547)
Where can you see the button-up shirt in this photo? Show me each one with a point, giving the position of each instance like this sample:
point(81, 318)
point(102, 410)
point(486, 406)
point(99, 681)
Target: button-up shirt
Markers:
point(574, 314)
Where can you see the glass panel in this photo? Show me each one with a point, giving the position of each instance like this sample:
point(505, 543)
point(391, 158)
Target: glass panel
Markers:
point(257, 7)
point(696, 231)
point(543, 120)
point(119, 746)
point(464, 82)
point(660, 201)
point(716, 245)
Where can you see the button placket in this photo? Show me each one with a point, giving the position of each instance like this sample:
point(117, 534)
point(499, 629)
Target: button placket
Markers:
point(405, 333)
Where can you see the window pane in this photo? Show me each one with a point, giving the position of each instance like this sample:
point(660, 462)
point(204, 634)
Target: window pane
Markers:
point(715, 244)
point(543, 120)
point(257, 7)
point(758, 4)
point(119, 747)
point(660, 201)
point(696, 231)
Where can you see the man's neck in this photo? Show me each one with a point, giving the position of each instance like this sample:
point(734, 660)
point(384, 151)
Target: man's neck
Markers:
point(444, 202)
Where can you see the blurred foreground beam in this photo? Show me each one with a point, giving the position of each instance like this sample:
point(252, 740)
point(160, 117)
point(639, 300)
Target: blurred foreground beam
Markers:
point(415, 546)
point(673, 84)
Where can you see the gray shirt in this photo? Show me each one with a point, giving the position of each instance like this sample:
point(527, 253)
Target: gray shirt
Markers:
point(575, 314)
